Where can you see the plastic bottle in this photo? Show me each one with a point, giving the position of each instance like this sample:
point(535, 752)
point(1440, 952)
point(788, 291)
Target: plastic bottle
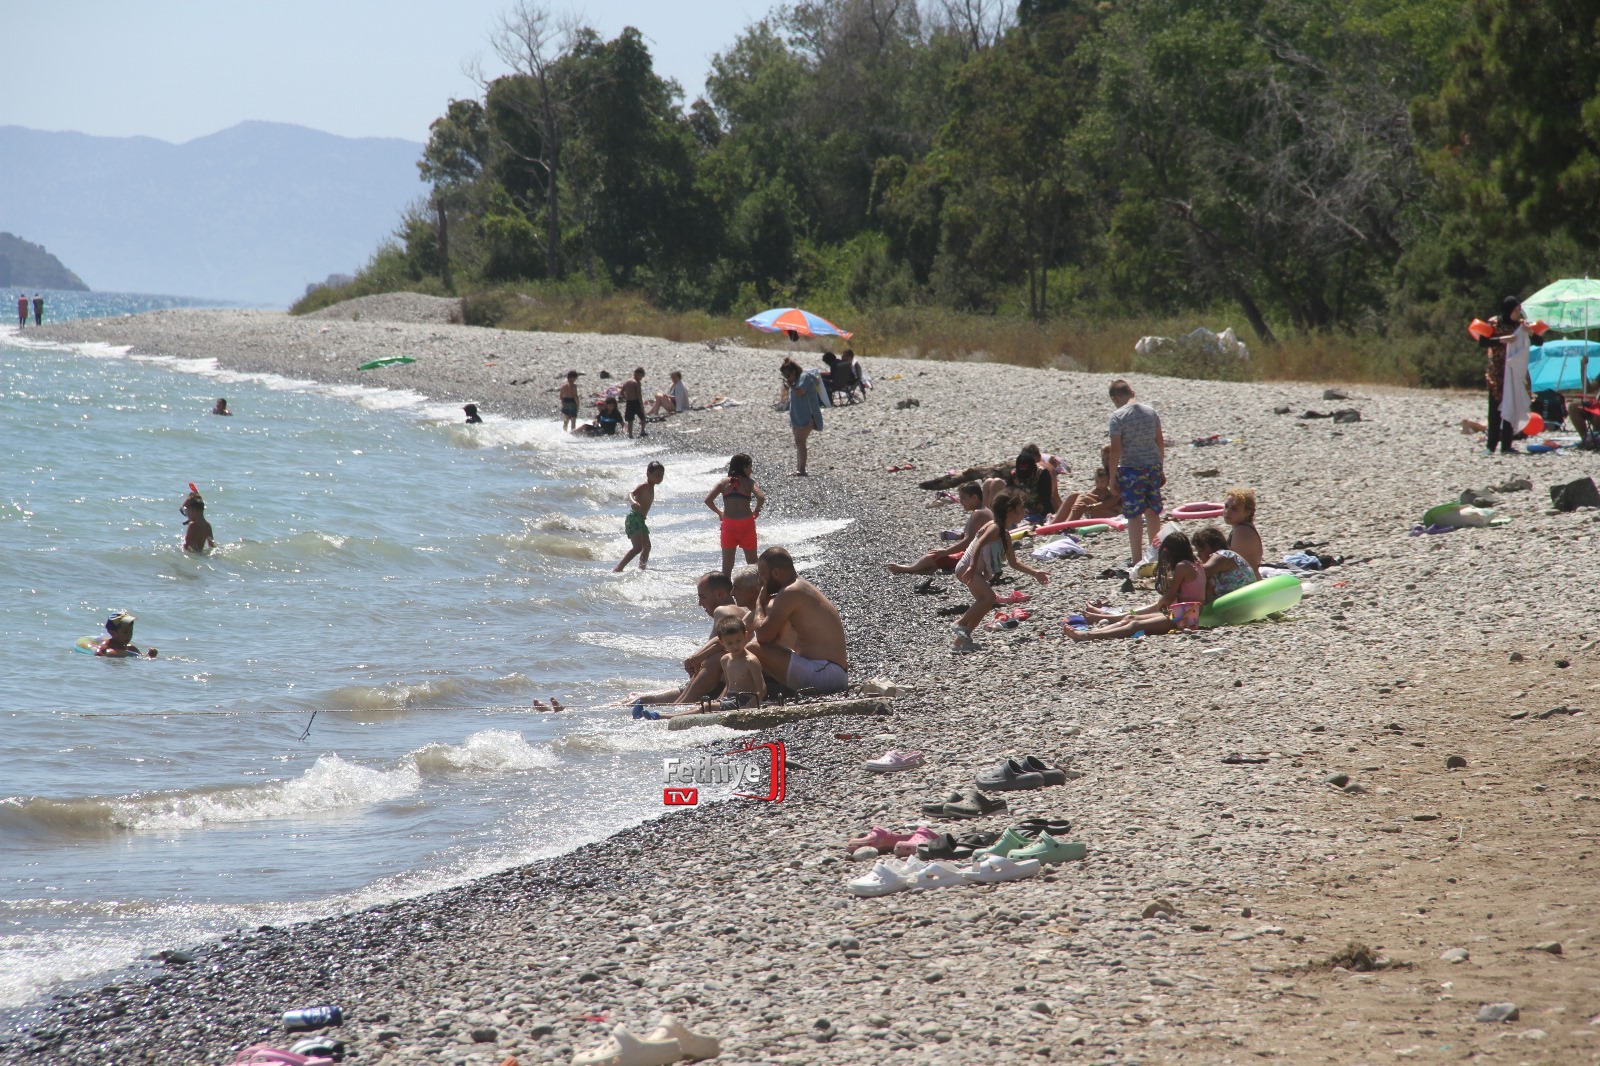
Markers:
point(308, 1018)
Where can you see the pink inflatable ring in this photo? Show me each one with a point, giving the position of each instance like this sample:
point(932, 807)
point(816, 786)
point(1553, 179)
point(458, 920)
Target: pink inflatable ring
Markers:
point(1193, 511)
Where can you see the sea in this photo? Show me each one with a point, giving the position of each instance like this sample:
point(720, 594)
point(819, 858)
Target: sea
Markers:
point(340, 712)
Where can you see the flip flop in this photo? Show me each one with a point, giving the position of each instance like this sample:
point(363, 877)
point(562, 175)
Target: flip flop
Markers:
point(1014, 596)
point(1032, 827)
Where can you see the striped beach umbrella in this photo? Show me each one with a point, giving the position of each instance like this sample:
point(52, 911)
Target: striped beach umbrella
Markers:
point(795, 322)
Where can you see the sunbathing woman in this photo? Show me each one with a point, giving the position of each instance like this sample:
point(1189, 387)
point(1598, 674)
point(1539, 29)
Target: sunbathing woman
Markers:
point(981, 563)
point(1179, 575)
point(1098, 502)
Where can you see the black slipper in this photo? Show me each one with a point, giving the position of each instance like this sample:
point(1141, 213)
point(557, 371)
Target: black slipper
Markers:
point(944, 846)
point(980, 839)
point(1032, 827)
point(936, 807)
point(954, 608)
point(973, 804)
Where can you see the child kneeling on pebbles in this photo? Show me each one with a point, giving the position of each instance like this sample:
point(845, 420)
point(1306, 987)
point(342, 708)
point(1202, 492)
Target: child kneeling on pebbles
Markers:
point(981, 564)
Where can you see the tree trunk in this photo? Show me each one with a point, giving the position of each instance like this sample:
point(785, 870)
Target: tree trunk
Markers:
point(444, 244)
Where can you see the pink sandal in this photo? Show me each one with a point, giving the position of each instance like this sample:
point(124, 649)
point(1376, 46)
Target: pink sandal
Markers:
point(261, 1055)
point(924, 835)
point(1014, 596)
point(878, 837)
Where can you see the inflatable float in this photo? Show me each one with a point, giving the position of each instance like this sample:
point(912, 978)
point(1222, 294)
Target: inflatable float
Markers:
point(1063, 527)
point(1253, 602)
point(1190, 512)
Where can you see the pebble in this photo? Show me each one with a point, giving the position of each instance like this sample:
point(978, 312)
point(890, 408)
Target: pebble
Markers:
point(1498, 1012)
point(1551, 947)
point(1454, 955)
point(1337, 780)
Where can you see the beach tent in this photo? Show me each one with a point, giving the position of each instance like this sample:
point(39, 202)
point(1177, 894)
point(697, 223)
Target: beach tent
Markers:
point(1559, 364)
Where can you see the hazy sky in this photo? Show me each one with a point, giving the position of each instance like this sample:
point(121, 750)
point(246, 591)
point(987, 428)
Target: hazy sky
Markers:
point(180, 69)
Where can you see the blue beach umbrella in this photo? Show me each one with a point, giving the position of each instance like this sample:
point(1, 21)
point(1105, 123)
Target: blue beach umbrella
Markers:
point(1571, 305)
point(796, 323)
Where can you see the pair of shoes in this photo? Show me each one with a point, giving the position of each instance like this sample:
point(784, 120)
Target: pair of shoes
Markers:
point(1004, 619)
point(948, 846)
point(893, 761)
point(965, 803)
point(641, 711)
point(916, 875)
point(1014, 596)
point(670, 1042)
point(1028, 772)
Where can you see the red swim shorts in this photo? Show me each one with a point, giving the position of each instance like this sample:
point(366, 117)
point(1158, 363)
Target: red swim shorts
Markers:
point(739, 533)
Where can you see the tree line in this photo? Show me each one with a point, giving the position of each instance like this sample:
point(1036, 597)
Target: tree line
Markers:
point(1368, 166)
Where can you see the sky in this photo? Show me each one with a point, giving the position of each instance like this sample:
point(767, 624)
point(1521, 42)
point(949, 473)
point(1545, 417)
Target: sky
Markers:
point(180, 69)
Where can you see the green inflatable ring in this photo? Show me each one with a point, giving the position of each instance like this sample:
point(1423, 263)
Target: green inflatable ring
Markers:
point(1253, 602)
point(1436, 515)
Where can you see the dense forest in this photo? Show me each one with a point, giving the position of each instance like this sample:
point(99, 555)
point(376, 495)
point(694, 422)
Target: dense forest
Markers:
point(1371, 170)
point(25, 264)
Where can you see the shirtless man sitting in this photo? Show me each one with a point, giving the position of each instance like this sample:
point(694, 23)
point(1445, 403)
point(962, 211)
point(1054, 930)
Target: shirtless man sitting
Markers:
point(721, 598)
point(799, 635)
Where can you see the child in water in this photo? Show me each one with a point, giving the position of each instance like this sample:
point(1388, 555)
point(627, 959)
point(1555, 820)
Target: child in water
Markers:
point(641, 498)
point(569, 402)
point(197, 534)
point(744, 683)
point(119, 641)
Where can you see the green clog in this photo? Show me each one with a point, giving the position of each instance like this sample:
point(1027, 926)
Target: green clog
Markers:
point(1047, 849)
point(1009, 841)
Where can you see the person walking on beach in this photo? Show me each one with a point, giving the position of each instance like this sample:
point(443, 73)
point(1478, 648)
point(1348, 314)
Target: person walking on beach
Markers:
point(640, 500)
point(569, 402)
point(633, 402)
point(742, 500)
point(38, 309)
point(1136, 461)
point(806, 400)
point(22, 310)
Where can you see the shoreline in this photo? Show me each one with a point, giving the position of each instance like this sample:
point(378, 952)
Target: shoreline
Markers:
point(733, 915)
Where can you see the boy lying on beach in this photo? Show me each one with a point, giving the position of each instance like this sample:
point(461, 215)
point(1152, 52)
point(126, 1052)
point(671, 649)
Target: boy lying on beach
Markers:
point(980, 564)
point(641, 499)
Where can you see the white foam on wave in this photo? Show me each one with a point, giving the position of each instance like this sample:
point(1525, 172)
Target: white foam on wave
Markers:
point(330, 784)
point(492, 751)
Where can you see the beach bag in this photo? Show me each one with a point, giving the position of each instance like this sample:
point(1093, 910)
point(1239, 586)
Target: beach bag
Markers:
point(1575, 494)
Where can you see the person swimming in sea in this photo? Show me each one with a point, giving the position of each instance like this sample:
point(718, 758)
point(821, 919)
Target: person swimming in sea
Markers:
point(197, 532)
point(473, 418)
point(119, 640)
point(222, 406)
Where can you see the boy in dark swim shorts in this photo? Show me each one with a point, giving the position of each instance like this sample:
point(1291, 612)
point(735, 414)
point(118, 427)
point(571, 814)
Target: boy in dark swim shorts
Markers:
point(1136, 460)
point(569, 402)
point(633, 401)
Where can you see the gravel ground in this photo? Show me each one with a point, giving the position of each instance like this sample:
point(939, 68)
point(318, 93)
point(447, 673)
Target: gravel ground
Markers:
point(734, 917)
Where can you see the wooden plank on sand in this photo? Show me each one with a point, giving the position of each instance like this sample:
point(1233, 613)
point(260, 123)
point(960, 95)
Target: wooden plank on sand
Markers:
point(766, 717)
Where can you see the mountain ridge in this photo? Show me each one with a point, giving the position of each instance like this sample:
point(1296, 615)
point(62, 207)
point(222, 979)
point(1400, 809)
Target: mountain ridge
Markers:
point(252, 212)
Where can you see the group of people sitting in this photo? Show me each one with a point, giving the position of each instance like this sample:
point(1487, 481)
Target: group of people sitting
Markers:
point(844, 377)
point(772, 632)
point(622, 405)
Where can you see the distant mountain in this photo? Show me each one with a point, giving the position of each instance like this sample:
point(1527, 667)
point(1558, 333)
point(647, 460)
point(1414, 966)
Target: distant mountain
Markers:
point(252, 213)
point(30, 266)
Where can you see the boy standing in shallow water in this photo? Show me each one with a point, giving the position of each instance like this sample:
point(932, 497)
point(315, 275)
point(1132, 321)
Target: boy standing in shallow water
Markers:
point(641, 498)
point(1136, 460)
point(745, 684)
point(569, 402)
point(633, 402)
point(197, 533)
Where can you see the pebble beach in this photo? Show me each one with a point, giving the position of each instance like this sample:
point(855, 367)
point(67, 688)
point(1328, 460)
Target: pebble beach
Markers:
point(1334, 836)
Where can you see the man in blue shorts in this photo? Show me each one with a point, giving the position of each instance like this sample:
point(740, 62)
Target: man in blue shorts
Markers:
point(1138, 454)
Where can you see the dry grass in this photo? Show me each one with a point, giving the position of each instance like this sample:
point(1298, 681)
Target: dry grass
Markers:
point(1099, 345)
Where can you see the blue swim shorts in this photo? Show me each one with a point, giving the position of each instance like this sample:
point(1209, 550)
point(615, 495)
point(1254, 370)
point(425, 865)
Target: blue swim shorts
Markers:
point(1140, 487)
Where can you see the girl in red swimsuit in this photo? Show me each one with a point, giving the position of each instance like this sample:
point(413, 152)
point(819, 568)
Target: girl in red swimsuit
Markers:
point(742, 500)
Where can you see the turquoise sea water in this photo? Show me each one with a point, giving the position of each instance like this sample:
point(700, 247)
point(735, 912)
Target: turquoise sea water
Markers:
point(339, 713)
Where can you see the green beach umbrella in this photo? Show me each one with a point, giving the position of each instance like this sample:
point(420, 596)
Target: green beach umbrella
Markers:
point(388, 360)
point(1571, 305)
